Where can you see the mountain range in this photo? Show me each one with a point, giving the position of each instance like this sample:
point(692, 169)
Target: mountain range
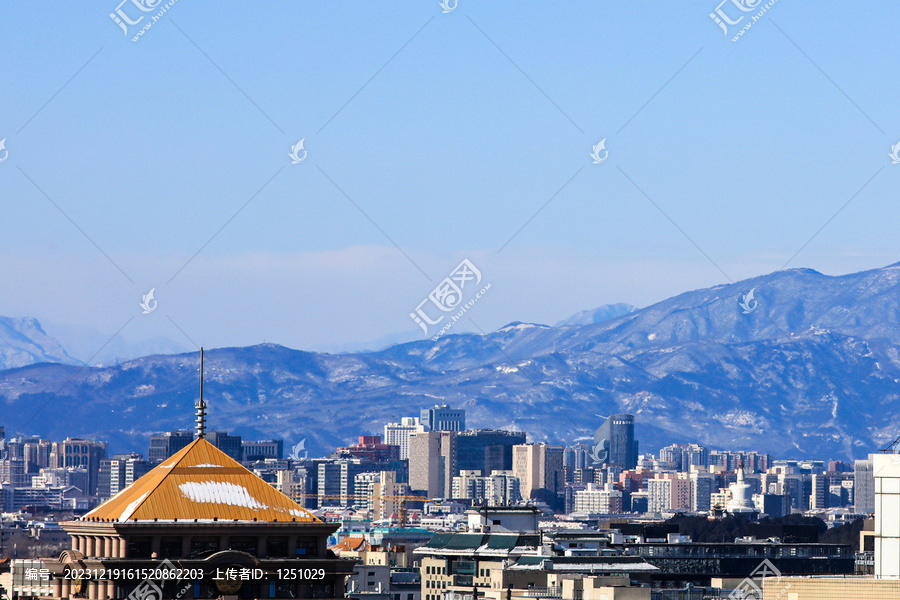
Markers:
point(794, 363)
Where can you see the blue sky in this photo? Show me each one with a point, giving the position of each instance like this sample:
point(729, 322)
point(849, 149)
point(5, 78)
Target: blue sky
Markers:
point(431, 138)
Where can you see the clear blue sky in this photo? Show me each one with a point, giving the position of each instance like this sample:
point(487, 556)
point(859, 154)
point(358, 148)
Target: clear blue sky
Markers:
point(448, 132)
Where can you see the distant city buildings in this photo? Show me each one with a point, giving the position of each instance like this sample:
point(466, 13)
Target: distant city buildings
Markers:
point(614, 443)
point(119, 472)
point(432, 462)
point(369, 447)
point(164, 445)
point(864, 485)
point(397, 434)
point(262, 450)
point(487, 450)
point(539, 469)
point(443, 418)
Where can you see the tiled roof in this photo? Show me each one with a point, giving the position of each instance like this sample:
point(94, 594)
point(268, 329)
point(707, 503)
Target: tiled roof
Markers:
point(351, 544)
point(200, 482)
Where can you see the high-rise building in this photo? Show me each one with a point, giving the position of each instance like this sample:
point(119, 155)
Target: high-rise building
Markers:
point(614, 443)
point(397, 434)
point(599, 500)
point(669, 491)
point(432, 462)
point(539, 468)
point(886, 471)
point(262, 450)
point(682, 456)
point(487, 450)
point(77, 452)
point(12, 472)
point(37, 455)
point(443, 418)
point(166, 444)
point(864, 486)
point(818, 498)
point(227, 443)
point(387, 495)
point(702, 487)
point(120, 471)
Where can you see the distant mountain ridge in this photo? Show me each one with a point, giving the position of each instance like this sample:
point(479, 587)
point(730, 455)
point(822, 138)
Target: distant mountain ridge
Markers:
point(812, 370)
point(24, 342)
point(598, 315)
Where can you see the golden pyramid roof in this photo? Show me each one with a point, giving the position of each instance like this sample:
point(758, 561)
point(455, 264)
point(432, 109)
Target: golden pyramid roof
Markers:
point(200, 482)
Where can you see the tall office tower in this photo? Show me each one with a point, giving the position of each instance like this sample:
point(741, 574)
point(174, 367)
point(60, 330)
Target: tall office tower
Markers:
point(539, 468)
point(864, 486)
point(37, 455)
point(76, 452)
point(702, 487)
point(432, 462)
point(818, 497)
point(387, 495)
point(575, 457)
point(229, 444)
point(397, 434)
point(12, 472)
point(487, 450)
point(336, 481)
point(120, 471)
point(164, 445)
point(443, 418)
point(614, 443)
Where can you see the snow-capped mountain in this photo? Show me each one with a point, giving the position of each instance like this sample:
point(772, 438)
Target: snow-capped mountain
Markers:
point(795, 363)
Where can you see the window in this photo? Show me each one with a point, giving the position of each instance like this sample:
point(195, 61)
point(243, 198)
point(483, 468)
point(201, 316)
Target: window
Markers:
point(204, 546)
point(243, 544)
point(276, 547)
point(139, 547)
point(170, 547)
point(306, 547)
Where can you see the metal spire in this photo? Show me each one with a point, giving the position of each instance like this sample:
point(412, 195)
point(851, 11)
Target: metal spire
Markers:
point(201, 404)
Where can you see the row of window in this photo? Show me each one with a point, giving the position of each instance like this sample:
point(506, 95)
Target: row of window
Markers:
point(435, 570)
point(432, 583)
point(171, 547)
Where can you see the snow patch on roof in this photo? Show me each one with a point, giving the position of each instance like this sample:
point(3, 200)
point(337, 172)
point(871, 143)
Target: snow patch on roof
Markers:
point(220, 492)
point(205, 465)
point(129, 510)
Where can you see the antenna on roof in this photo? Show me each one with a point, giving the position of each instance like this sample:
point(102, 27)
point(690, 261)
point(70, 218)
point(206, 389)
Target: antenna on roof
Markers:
point(201, 404)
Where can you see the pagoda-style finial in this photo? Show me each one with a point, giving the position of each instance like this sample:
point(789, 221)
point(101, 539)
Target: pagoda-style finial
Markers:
point(201, 404)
